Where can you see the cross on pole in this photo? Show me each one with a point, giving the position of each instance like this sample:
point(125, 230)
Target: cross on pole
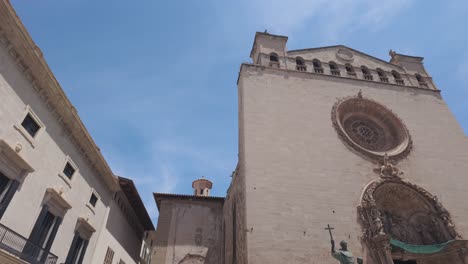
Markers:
point(330, 231)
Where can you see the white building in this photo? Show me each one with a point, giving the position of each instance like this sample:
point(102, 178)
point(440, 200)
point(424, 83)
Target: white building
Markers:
point(59, 200)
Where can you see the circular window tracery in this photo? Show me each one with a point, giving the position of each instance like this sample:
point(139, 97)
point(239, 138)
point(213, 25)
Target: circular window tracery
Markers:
point(371, 128)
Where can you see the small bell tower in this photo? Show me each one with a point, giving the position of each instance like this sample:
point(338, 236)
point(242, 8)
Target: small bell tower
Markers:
point(202, 187)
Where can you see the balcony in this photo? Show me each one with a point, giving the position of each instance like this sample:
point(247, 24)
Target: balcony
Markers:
point(384, 79)
point(301, 68)
point(335, 72)
point(318, 70)
point(423, 84)
point(368, 77)
point(20, 250)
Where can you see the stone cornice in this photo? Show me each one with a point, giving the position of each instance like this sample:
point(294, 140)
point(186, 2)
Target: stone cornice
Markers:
point(29, 59)
point(13, 156)
point(313, 75)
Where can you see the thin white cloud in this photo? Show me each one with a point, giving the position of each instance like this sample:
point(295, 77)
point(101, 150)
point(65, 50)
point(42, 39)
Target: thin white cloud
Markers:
point(202, 155)
point(326, 20)
point(284, 17)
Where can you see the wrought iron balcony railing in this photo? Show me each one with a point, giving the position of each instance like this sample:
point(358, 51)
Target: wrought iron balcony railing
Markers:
point(19, 246)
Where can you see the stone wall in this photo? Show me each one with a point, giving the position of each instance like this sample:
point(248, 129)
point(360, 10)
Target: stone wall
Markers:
point(234, 226)
point(189, 231)
point(300, 176)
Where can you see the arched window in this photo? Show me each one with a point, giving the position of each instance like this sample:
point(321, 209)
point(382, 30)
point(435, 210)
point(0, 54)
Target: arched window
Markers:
point(274, 62)
point(367, 74)
point(397, 77)
point(334, 68)
point(300, 64)
point(317, 66)
point(420, 79)
point(273, 57)
point(350, 69)
point(382, 75)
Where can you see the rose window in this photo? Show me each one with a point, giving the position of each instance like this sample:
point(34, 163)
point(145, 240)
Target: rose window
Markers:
point(370, 128)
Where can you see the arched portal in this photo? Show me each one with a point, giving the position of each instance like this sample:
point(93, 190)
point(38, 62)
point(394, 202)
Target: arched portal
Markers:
point(396, 213)
point(409, 216)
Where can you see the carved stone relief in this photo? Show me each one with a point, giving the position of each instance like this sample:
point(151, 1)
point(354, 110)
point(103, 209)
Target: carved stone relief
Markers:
point(394, 208)
point(192, 259)
point(392, 203)
point(370, 128)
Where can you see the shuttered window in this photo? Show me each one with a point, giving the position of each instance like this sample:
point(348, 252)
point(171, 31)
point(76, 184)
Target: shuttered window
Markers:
point(109, 256)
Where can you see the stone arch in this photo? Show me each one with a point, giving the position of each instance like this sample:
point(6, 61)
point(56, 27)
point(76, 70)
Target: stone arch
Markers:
point(397, 209)
point(192, 259)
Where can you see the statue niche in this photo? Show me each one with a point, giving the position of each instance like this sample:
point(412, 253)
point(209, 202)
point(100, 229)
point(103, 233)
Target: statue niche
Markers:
point(409, 217)
point(395, 213)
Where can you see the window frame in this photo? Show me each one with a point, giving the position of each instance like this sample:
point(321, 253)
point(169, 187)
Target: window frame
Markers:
point(109, 257)
point(62, 175)
point(77, 251)
point(89, 205)
point(275, 56)
point(18, 126)
point(7, 194)
point(350, 69)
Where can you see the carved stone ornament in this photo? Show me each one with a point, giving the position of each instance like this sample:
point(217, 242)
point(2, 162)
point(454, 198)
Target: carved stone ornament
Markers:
point(370, 128)
point(345, 55)
point(388, 169)
point(394, 208)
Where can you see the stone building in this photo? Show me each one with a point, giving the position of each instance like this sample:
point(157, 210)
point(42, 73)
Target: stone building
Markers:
point(59, 200)
point(189, 227)
point(333, 136)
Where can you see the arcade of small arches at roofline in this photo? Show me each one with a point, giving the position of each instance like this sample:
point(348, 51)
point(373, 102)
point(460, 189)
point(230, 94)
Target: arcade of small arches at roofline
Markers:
point(350, 70)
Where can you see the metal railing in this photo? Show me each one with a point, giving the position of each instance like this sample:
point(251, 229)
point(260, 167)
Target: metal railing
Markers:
point(301, 68)
point(19, 246)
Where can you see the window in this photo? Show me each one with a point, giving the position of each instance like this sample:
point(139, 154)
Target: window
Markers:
point(8, 188)
point(93, 199)
point(201, 191)
point(317, 66)
point(77, 250)
point(350, 69)
point(273, 57)
point(109, 256)
point(366, 73)
point(382, 75)
point(420, 80)
point(68, 170)
point(397, 78)
point(300, 64)
point(274, 62)
point(334, 68)
point(30, 125)
point(42, 235)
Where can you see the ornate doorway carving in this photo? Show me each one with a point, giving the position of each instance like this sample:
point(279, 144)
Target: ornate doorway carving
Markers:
point(396, 210)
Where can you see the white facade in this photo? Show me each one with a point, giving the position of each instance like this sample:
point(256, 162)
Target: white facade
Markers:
point(27, 87)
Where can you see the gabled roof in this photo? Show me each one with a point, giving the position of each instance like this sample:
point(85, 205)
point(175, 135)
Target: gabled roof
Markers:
point(345, 47)
point(131, 192)
point(158, 197)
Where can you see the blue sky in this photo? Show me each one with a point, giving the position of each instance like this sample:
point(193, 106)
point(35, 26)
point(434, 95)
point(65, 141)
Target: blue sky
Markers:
point(155, 81)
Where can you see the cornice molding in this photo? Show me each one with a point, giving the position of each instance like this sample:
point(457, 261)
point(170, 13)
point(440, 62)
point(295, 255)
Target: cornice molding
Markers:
point(29, 60)
point(320, 76)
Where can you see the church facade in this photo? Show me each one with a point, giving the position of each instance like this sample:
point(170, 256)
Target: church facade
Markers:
point(333, 136)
